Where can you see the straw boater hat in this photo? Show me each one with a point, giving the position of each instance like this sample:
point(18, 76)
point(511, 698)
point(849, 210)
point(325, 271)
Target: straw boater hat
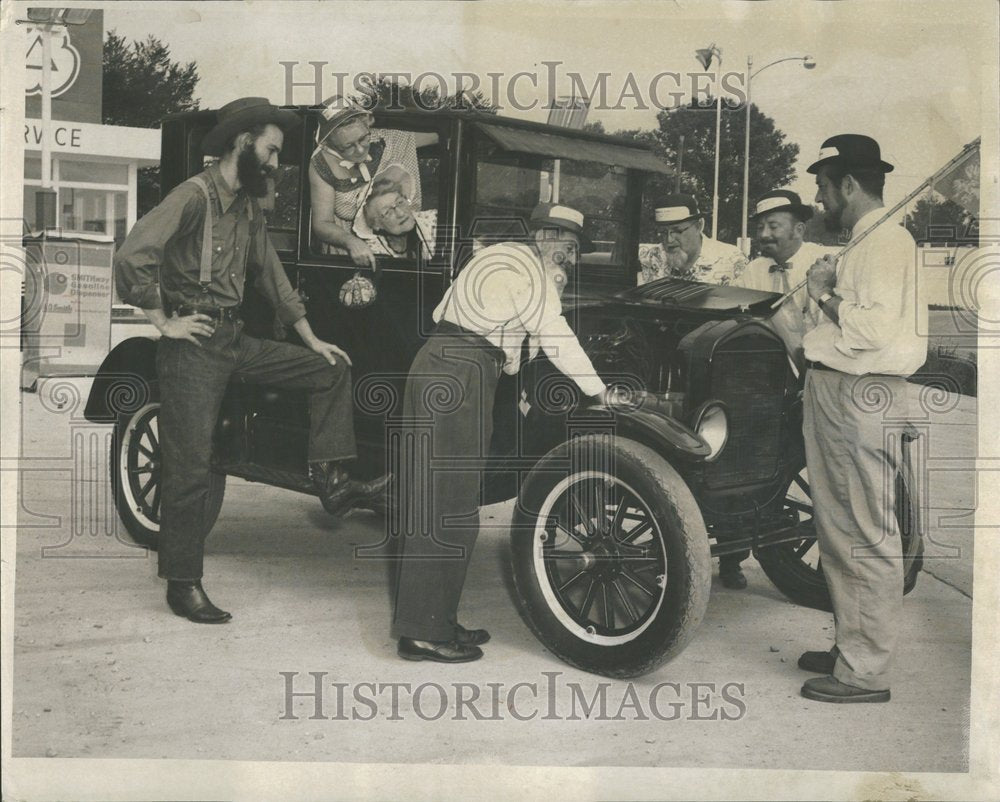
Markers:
point(782, 200)
point(850, 150)
point(242, 115)
point(337, 111)
point(677, 208)
point(554, 215)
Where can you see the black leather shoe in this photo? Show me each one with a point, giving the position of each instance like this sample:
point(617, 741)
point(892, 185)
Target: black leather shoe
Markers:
point(733, 578)
point(188, 599)
point(471, 637)
point(831, 689)
point(438, 651)
point(818, 662)
point(338, 492)
point(375, 491)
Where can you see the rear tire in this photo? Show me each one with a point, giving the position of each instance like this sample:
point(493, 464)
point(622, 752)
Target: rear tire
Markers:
point(610, 556)
point(136, 460)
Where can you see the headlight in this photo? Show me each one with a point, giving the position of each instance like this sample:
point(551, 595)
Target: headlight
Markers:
point(712, 426)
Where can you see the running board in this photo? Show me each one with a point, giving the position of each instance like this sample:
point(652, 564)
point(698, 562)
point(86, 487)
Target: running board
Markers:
point(251, 471)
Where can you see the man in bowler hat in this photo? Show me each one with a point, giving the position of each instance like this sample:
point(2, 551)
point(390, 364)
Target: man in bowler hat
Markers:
point(864, 344)
point(185, 264)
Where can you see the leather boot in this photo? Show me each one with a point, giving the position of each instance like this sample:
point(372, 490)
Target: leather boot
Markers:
point(188, 599)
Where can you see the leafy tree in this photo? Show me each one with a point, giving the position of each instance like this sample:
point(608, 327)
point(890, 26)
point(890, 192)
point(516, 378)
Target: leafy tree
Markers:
point(389, 93)
point(940, 221)
point(141, 87)
point(772, 159)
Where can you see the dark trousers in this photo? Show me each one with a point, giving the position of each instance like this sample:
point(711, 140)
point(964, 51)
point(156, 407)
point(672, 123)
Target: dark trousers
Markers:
point(448, 409)
point(192, 383)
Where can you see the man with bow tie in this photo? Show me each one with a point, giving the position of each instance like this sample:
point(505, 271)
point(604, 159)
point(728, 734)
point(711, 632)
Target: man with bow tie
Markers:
point(780, 218)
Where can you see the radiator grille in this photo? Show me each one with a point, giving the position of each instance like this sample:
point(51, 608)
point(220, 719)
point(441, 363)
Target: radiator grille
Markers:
point(751, 384)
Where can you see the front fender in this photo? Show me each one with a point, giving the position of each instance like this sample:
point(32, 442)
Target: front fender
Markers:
point(650, 421)
point(125, 381)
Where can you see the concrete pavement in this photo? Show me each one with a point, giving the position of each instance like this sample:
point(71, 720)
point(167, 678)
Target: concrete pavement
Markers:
point(103, 669)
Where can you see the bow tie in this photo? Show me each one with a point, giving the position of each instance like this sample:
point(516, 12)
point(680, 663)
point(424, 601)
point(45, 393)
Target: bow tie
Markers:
point(779, 267)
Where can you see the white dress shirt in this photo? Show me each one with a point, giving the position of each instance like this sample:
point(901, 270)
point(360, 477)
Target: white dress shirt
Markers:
point(790, 320)
point(505, 294)
point(881, 314)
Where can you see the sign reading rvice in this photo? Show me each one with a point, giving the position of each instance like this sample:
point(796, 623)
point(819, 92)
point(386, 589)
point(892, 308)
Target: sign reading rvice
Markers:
point(76, 70)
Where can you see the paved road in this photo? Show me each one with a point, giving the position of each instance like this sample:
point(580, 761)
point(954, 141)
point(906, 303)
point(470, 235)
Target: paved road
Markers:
point(102, 668)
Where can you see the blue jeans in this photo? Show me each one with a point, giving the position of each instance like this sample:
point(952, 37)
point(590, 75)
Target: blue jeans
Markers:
point(193, 381)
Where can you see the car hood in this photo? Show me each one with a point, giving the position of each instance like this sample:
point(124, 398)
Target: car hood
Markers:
point(677, 295)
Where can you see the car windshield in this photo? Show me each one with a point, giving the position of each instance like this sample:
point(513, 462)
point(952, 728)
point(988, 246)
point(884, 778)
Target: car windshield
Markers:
point(508, 186)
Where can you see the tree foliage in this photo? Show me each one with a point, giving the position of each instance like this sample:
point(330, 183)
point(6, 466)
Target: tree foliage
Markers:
point(772, 159)
point(940, 221)
point(392, 94)
point(141, 87)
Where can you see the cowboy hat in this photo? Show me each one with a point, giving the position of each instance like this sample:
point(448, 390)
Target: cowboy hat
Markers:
point(242, 115)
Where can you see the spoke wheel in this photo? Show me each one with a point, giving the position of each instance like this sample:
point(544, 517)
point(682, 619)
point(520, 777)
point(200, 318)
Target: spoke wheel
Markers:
point(136, 474)
point(610, 556)
point(796, 568)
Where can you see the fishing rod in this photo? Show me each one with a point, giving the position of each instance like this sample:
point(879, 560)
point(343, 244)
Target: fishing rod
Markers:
point(966, 151)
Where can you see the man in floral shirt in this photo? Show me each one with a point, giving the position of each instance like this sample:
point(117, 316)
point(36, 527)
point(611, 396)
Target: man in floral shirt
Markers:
point(684, 251)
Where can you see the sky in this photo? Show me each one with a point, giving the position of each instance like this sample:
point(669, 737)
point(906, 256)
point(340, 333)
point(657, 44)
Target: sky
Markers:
point(912, 75)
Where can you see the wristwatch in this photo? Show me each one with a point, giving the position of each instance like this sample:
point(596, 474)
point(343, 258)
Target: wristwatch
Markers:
point(822, 300)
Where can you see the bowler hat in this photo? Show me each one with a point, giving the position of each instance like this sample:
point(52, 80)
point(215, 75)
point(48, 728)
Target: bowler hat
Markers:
point(850, 150)
point(242, 115)
point(782, 200)
point(677, 208)
point(335, 112)
point(554, 215)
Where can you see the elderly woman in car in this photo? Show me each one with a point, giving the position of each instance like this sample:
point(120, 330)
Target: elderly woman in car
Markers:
point(388, 221)
point(349, 153)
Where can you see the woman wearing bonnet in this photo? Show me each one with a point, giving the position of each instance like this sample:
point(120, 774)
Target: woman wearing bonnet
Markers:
point(390, 223)
point(349, 152)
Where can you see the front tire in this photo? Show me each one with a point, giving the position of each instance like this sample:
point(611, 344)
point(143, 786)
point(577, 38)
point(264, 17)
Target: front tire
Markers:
point(795, 568)
point(610, 556)
point(136, 469)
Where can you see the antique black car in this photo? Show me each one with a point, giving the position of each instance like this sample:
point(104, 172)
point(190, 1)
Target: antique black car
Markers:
point(619, 511)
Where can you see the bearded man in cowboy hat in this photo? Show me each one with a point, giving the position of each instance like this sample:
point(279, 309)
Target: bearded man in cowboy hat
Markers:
point(185, 264)
point(684, 251)
point(864, 344)
point(507, 293)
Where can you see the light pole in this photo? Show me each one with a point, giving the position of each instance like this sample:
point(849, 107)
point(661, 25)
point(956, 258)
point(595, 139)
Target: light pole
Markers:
point(46, 19)
point(705, 57)
point(808, 63)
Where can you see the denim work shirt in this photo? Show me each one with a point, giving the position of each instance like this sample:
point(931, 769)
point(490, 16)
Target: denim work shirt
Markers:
point(160, 260)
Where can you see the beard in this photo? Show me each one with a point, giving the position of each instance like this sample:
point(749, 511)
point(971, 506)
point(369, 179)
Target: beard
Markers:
point(677, 259)
point(251, 173)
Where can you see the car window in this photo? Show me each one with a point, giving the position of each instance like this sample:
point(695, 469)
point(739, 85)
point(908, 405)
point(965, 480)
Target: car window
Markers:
point(508, 186)
point(402, 150)
point(282, 209)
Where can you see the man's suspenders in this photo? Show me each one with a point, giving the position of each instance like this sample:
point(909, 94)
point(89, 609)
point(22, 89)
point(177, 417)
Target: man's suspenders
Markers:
point(205, 271)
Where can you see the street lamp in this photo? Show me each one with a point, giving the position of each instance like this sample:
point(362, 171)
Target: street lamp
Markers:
point(46, 19)
point(808, 63)
point(705, 56)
